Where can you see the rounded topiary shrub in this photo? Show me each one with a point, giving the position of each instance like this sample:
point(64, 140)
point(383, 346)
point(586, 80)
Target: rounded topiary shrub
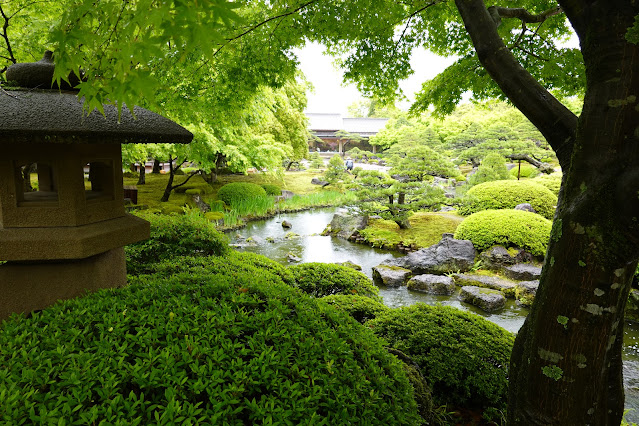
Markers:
point(235, 349)
point(325, 279)
point(463, 357)
point(271, 189)
point(508, 228)
point(186, 235)
point(527, 170)
point(506, 194)
point(551, 181)
point(362, 308)
point(239, 191)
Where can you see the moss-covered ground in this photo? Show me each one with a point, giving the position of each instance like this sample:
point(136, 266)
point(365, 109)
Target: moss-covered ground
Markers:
point(426, 229)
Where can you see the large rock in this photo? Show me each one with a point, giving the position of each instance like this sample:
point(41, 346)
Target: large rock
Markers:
point(286, 224)
point(432, 284)
point(523, 272)
point(316, 181)
point(448, 255)
point(525, 292)
point(484, 298)
point(350, 264)
point(505, 286)
point(390, 276)
point(525, 207)
point(344, 225)
point(496, 258)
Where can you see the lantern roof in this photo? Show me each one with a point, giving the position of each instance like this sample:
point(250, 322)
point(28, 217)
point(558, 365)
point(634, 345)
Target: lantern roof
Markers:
point(32, 114)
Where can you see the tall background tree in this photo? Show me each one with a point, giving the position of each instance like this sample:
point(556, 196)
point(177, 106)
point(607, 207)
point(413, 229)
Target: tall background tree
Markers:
point(560, 374)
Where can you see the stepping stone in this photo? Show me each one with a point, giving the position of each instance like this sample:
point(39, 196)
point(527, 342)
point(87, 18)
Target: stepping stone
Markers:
point(523, 272)
point(390, 276)
point(432, 284)
point(484, 298)
point(505, 286)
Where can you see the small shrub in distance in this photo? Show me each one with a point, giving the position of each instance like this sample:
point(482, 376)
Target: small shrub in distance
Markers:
point(506, 194)
point(551, 181)
point(508, 228)
point(235, 192)
point(493, 167)
point(527, 171)
point(186, 235)
point(336, 169)
point(271, 189)
point(325, 279)
point(361, 308)
point(463, 357)
point(232, 349)
point(316, 160)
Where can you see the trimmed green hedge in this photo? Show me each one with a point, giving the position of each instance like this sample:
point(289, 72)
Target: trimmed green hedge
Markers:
point(230, 348)
point(185, 235)
point(271, 189)
point(463, 357)
point(239, 191)
point(508, 228)
point(506, 194)
point(325, 279)
point(527, 171)
point(362, 308)
point(552, 182)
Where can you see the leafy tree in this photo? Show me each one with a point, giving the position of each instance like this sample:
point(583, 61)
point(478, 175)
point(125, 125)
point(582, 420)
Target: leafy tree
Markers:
point(395, 199)
point(493, 167)
point(372, 108)
point(416, 162)
point(403, 129)
point(335, 171)
point(559, 373)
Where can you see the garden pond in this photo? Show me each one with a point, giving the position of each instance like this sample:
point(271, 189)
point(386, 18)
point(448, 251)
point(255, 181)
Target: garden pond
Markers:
point(303, 240)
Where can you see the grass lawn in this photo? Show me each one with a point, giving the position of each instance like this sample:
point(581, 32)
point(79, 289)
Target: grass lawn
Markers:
point(426, 229)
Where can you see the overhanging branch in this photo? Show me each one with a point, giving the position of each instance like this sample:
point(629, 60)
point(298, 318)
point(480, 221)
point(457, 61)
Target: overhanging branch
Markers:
point(522, 14)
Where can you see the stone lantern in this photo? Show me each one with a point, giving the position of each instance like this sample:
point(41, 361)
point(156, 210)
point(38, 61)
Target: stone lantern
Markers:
point(61, 234)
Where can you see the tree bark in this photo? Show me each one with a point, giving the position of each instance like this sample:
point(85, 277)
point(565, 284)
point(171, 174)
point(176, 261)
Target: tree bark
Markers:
point(566, 364)
point(156, 166)
point(142, 177)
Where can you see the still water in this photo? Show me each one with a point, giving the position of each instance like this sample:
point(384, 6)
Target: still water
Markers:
point(309, 246)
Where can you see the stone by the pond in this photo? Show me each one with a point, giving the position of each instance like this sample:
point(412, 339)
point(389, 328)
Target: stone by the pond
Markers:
point(390, 276)
point(316, 181)
point(525, 207)
point(287, 194)
point(432, 284)
point(525, 292)
point(291, 236)
point(505, 286)
point(286, 224)
point(448, 255)
point(199, 203)
point(350, 264)
point(344, 224)
point(523, 272)
point(292, 258)
point(496, 258)
point(484, 298)
point(255, 240)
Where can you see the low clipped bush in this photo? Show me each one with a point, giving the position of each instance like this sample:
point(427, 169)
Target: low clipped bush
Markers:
point(463, 357)
point(203, 187)
point(551, 181)
point(326, 279)
point(362, 308)
point(272, 189)
point(234, 348)
point(506, 194)
point(508, 228)
point(186, 235)
point(235, 192)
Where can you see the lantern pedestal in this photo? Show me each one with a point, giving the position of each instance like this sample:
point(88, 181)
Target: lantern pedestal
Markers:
point(30, 286)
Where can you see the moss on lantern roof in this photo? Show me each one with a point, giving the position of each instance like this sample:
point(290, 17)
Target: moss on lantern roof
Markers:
point(58, 117)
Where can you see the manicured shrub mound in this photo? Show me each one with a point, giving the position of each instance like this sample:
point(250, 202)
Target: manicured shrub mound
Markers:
point(237, 349)
point(271, 189)
point(552, 182)
point(508, 228)
point(361, 308)
point(186, 235)
point(235, 192)
point(325, 279)
point(527, 170)
point(463, 356)
point(506, 194)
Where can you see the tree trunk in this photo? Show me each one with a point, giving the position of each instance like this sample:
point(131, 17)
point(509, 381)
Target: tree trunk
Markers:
point(156, 166)
point(566, 363)
point(169, 184)
point(566, 366)
point(403, 223)
point(142, 178)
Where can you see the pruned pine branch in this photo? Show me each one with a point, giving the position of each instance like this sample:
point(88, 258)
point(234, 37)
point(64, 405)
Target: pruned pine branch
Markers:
point(497, 13)
point(543, 167)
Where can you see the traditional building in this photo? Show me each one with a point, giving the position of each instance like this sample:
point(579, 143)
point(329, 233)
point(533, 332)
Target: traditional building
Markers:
point(332, 132)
